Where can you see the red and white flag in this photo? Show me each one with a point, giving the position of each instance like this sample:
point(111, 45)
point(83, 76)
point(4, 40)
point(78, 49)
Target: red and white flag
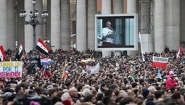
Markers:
point(42, 47)
point(2, 54)
point(159, 62)
point(179, 52)
point(21, 50)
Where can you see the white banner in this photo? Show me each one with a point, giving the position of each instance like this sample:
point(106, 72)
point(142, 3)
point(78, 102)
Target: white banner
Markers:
point(11, 69)
point(160, 59)
point(93, 69)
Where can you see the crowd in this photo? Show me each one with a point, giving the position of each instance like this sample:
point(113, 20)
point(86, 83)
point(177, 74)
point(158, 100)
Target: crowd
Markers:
point(122, 80)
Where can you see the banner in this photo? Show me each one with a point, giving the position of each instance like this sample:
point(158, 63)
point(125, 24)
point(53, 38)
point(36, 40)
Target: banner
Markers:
point(12, 69)
point(87, 61)
point(93, 69)
point(159, 62)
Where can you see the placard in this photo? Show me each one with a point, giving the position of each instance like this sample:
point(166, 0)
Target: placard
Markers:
point(12, 69)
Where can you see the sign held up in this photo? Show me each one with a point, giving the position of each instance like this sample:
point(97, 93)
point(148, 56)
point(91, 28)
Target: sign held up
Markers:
point(12, 69)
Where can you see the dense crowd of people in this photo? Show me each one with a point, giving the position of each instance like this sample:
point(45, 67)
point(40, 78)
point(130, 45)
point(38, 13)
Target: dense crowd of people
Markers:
point(122, 80)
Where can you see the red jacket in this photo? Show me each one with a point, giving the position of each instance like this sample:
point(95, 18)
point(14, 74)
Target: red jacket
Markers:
point(170, 83)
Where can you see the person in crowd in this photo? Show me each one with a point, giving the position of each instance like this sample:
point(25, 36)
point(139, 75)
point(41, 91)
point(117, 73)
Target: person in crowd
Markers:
point(178, 98)
point(171, 82)
point(108, 33)
point(120, 80)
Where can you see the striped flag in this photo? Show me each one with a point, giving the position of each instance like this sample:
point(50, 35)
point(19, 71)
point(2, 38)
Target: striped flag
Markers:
point(46, 61)
point(46, 72)
point(42, 47)
point(21, 51)
point(64, 70)
point(179, 52)
point(2, 54)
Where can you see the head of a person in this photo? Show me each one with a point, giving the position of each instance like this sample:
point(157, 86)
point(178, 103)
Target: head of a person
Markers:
point(178, 97)
point(158, 94)
point(126, 101)
point(73, 92)
point(19, 89)
point(90, 98)
point(53, 92)
point(99, 97)
point(108, 24)
point(111, 94)
point(114, 87)
point(131, 94)
point(152, 89)
point(145, 93)
point(86, 92)
point(103, 87)
point(123, 94)
point(65, 96)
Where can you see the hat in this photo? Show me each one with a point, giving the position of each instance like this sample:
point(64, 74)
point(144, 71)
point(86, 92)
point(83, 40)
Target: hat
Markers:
point(66, 102)
point(145, 92)
point(34, 103)
point(172, 75)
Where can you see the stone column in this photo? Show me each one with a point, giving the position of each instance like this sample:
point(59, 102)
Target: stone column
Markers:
point(118, 7)
point(132, 9)
point(91, 23)
point(55, 24)
point(131, 6)
point(65, 24)
point(28, 33)
point(145, 17)
point(48, 25)
point(3, 25)
point(159, 26)
point(106, 6)
point(39, 28)
point(11, 24)
point(20, 25)
point(182, 20)
point(81, 25)
point(172, 24)
point(106, 9)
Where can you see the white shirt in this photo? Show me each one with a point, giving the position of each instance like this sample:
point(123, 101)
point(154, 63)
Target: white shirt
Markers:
point(106, 31)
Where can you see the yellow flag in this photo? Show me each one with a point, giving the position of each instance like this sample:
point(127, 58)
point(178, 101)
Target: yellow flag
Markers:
point(64, 71)
point(160, 55)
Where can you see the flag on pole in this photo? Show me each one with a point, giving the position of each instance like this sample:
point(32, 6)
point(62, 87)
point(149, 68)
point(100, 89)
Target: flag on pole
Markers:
point(21, 50)
point(42, 47)
point(160, 55)
point(46, 72)
point(2, 54)
point(64, 70)
point(143, 58)
point(179, 52)
point(46, 61)
point(87, 61)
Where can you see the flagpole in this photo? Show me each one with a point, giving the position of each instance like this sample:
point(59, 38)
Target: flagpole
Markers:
point(143, 58)
point(34, 38)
